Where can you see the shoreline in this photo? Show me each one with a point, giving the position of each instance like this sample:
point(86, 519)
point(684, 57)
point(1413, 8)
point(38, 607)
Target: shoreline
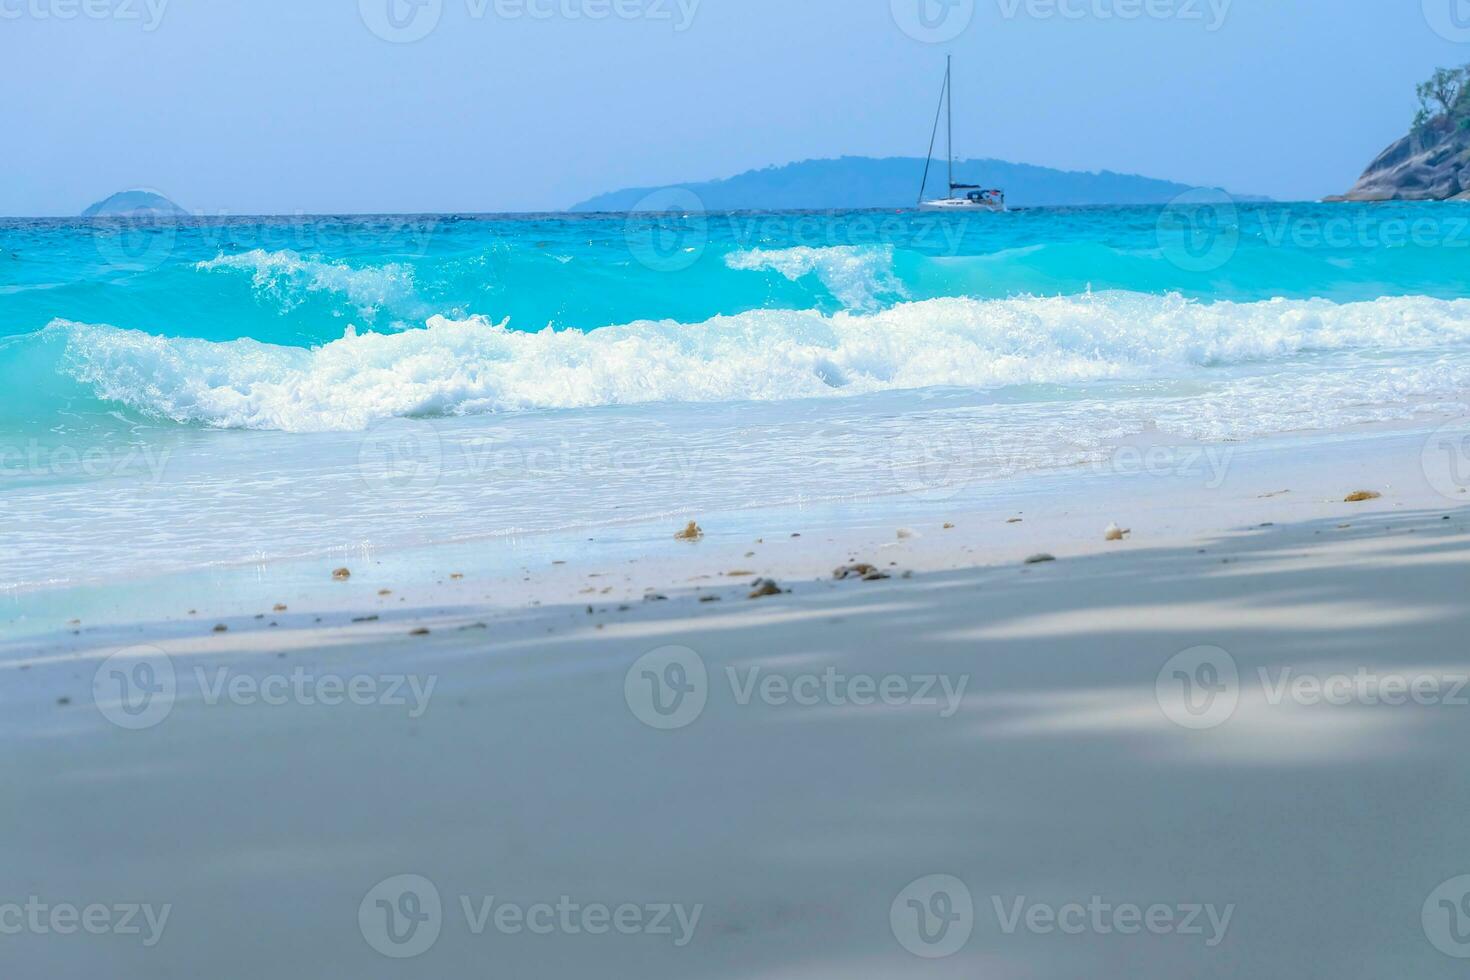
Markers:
point(1188, 493)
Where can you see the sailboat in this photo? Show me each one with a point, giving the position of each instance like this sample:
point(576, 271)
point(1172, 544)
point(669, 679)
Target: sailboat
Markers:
point(975, 197)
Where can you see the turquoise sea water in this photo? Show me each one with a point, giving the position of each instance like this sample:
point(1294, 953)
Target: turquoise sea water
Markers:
point(220, 390)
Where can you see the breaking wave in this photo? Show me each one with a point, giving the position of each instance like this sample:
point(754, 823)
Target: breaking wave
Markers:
point(287, 277)
point(469, 366)
point(856, 276)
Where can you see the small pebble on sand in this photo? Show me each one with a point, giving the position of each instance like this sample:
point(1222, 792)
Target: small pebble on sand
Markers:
point(1116, 533)
point(341, 574)
point(1041, 559)
point(765, 587)
point(1360, 496)
point(221, 628)
point(421, 631)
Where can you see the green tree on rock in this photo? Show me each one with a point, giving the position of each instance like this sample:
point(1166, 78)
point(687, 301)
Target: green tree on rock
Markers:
point(1444, 99)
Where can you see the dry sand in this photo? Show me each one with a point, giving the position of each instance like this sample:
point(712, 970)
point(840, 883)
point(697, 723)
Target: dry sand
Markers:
point(1029, 739)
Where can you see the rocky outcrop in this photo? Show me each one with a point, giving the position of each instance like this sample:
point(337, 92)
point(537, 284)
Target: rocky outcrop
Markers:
point(1430, 164)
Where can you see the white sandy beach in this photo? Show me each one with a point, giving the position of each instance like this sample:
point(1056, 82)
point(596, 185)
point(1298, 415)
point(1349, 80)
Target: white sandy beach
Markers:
point(581, 489)
point(1015, 728)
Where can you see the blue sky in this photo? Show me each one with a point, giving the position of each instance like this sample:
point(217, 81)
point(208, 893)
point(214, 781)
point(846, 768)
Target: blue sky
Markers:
point(247, 106)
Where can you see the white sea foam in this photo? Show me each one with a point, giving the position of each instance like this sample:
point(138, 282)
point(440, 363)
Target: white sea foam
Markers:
point(287, 276)
point(476, 366)
point(856, 276)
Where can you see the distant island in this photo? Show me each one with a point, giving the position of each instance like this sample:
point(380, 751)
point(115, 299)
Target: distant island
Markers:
point(893, 182)
point(1432, 163)
point(135, 203)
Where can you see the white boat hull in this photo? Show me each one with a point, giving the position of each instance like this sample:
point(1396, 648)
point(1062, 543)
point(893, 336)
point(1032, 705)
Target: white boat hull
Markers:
point(961, 204)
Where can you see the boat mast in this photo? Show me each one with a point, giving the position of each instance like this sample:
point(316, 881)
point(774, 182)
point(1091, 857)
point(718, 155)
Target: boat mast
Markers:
point(949, 101)
point(933, 138)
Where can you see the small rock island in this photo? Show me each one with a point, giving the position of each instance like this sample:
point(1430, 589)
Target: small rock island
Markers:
point(135, 203)
point(1432, 163)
